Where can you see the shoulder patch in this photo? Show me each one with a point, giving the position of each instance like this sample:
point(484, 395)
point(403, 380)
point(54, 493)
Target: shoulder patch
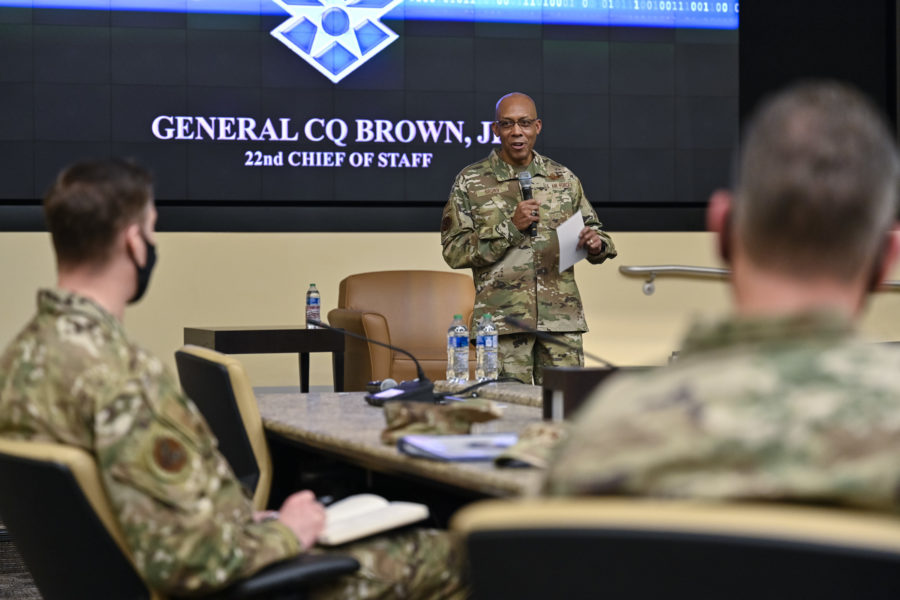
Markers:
point(169, 455)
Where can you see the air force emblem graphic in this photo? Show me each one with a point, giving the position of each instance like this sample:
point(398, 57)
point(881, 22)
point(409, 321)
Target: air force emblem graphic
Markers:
point(335, 36)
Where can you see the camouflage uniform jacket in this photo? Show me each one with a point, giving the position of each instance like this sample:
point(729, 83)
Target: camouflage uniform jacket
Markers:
point(72, 377)
point(515, 274)
point(791, 409)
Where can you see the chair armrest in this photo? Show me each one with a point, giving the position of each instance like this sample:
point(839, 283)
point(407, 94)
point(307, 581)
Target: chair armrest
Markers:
point(363, 362)
point(348, 319)
point(368, 324)
point(295, 574)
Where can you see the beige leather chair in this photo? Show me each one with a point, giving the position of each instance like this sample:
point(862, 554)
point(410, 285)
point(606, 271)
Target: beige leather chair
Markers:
point(408, 309)
point(650, 549)
point(53, 502)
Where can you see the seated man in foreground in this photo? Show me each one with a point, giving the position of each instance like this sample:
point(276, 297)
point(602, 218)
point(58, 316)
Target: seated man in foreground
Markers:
point(72, 376)
point(779, 402)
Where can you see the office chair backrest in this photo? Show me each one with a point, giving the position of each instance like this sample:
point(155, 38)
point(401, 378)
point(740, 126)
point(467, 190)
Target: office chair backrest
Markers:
point(218, 385)
point(54, 503)
point(637, 549)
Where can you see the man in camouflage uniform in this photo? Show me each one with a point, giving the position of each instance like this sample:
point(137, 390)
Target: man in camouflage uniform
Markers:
point(779, 402)
point(72, 376)
point(485, 226)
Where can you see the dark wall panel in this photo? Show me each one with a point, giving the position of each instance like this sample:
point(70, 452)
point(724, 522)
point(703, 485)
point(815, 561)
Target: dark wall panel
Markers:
point(645, 116)
point(786, 40)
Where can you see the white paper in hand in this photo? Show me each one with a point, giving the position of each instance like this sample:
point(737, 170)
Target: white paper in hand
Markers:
point(567, 234)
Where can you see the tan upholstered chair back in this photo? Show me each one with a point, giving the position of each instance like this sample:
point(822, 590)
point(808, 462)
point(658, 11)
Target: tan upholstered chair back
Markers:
point(408, 309)
point(648, 549)
point(55, 504)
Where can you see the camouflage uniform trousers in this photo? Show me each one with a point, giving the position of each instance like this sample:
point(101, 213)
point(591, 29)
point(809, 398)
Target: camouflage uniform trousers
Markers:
point(523, 356)
point(412, 564)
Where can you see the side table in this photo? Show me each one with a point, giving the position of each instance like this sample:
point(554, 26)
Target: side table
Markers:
point(275, 340)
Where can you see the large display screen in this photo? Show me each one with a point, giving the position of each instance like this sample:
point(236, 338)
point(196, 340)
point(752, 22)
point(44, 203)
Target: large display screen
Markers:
point(342, 106)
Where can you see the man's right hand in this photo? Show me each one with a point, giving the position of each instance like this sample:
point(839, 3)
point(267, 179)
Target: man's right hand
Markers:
point(303, 515)
point(526, 213)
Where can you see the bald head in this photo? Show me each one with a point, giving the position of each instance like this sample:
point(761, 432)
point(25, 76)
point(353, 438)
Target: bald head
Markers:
point(517, 97)
point(517, 126)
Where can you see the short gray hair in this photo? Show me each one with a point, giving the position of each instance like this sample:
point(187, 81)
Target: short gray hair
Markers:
point(817, 182)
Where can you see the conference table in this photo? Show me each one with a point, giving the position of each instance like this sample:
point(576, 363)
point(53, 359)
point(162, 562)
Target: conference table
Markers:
point(346, 429)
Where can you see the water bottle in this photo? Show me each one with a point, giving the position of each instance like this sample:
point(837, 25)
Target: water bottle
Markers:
point(486, 365)
point(458, 351)
point(313, 304)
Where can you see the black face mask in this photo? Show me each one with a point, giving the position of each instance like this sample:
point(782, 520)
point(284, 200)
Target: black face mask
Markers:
point(143, 273)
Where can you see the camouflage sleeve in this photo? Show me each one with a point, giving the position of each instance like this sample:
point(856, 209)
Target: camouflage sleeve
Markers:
point(730, 426)
point(591, 220)
point(185, 516)
point(620, 441)
point(474, 236)
point(606, 452)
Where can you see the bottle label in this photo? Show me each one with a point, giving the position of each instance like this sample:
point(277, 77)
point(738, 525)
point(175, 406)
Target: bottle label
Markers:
point(312, 301)
point(462, 342)
point(481, 340)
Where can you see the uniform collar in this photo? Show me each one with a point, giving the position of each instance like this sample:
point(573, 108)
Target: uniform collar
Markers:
point(504, 171)
point(58, 302)
point(823, 326)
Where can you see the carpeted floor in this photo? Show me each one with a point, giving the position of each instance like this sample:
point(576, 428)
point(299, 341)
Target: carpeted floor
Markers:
point(15, 581)
point(18, 587)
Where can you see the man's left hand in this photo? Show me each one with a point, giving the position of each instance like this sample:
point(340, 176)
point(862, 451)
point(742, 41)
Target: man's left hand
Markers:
point(590, 239)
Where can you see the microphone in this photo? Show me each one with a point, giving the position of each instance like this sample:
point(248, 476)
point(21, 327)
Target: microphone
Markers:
point(525, 182)
point(418, 390)
point(549, 338)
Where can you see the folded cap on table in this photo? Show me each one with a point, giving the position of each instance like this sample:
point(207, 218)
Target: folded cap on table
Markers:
point(405, 418)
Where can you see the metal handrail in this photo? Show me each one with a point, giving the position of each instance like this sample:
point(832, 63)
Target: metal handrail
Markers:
point(688, 271)
point(651, 271)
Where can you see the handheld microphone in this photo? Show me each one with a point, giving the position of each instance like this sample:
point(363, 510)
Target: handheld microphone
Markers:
point(418, 390)
point(525, 182)
point(549, 338)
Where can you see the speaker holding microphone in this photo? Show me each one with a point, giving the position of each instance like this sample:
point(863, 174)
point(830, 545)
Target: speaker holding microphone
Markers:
point(527, 194)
